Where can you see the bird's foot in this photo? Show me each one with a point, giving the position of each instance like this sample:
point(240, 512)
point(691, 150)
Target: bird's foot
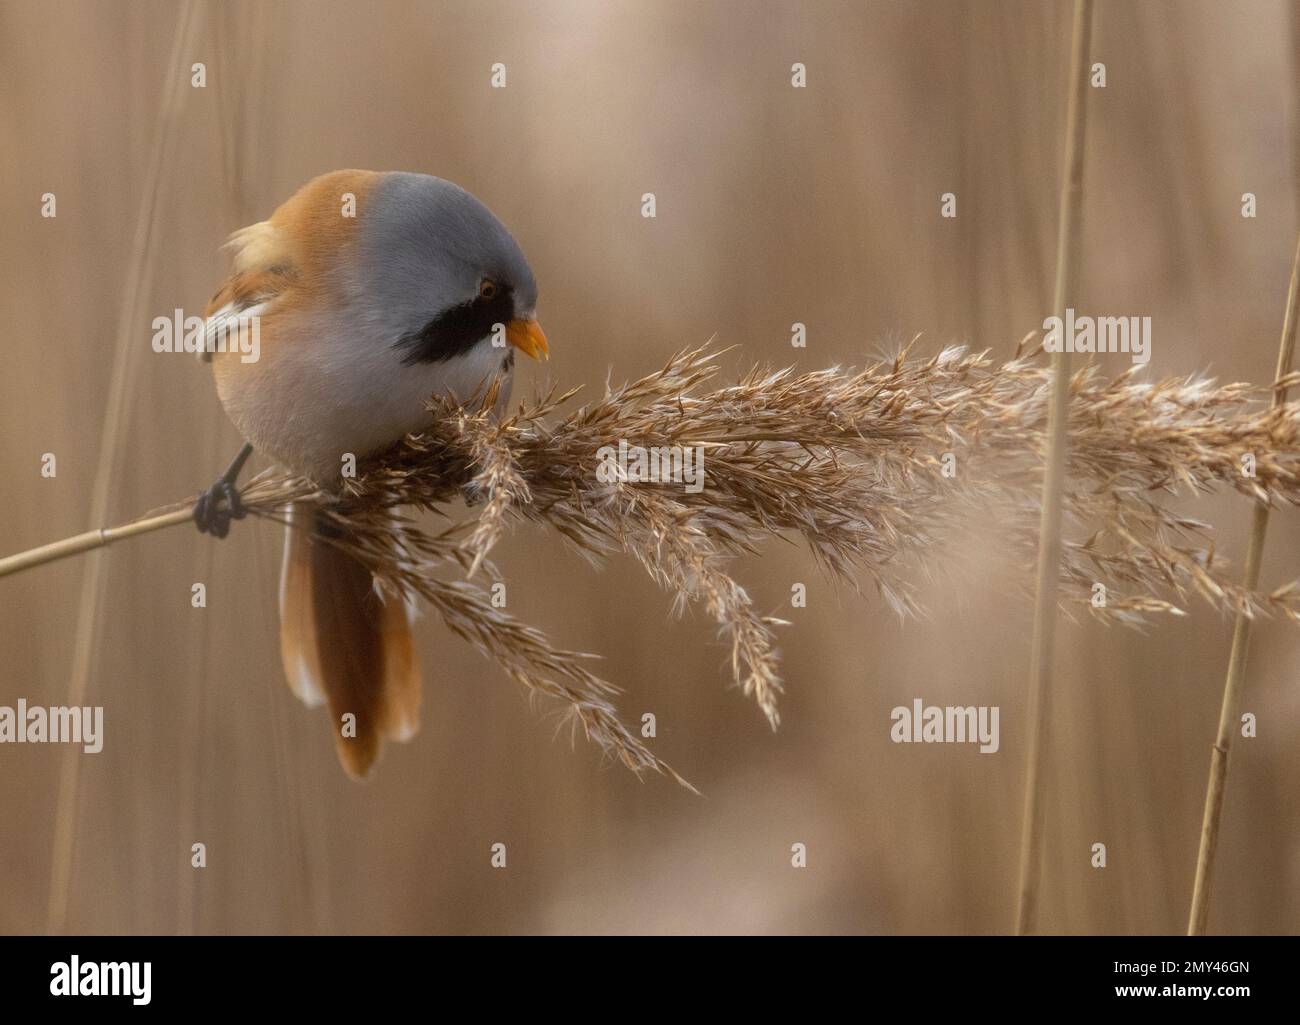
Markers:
point(216, 507)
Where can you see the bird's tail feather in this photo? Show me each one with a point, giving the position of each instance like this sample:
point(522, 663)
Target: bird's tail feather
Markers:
point(345, 644)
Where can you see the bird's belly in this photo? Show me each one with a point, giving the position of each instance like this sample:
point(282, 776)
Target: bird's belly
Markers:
point(313, 404)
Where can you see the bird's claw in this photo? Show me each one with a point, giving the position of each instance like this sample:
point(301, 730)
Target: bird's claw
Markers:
point(216, 507)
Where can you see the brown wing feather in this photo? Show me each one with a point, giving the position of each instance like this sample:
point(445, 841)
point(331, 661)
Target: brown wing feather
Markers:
point(263, 271)
point(342, 642)
point(247, 288)
point(292, 255)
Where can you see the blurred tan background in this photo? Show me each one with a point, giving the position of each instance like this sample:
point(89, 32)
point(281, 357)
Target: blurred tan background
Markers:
point(775, 205)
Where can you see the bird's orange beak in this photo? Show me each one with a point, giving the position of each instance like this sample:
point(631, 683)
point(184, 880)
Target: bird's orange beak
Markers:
point(528, 337)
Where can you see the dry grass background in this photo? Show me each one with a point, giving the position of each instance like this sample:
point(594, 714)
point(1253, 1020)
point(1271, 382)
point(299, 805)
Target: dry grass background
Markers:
point(775, 205)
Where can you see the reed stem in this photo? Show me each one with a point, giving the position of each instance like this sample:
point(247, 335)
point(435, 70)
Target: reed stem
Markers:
point(93, 539)
point(1068, 246)
point(1214, 791)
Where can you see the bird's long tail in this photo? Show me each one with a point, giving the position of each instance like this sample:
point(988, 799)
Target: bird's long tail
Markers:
point(345, 644)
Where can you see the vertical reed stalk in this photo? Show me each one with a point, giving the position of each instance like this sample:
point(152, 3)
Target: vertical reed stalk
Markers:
point(1200, 912)
point(1068, 247)
point(111, 446)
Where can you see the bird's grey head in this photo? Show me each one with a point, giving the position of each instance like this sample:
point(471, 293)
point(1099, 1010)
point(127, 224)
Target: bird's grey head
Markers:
point(441, 271)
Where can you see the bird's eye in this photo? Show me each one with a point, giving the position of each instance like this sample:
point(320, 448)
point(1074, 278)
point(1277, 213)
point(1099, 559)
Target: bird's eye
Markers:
point(487, 289)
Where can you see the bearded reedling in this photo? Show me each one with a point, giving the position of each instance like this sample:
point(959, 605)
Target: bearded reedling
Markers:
point(370, 292)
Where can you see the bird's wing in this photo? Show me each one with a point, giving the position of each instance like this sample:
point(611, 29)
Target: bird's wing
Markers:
point(293, 251)
point(263, 269)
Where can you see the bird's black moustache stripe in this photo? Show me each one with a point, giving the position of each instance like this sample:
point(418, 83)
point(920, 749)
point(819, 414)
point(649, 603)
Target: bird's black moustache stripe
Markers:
point(455, 331)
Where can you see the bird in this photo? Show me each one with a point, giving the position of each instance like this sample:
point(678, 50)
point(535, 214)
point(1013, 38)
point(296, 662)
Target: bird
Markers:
point(371, 292)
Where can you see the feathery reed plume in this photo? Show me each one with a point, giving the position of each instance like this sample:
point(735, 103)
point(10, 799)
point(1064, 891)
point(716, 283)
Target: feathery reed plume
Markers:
point(850, 461)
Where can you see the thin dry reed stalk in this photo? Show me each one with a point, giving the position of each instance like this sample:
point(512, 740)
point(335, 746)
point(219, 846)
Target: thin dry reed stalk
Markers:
point(134, 292)
point(1200, 911)
point(1068, 249)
